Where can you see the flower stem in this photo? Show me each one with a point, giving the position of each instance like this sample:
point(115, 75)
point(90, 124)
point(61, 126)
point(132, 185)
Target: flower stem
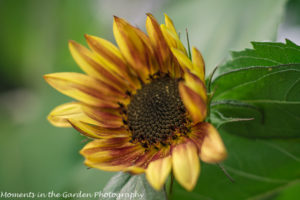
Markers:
point(165, 191)
point(171, 185)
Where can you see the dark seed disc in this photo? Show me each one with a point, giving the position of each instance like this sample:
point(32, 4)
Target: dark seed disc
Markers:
point(156, 111)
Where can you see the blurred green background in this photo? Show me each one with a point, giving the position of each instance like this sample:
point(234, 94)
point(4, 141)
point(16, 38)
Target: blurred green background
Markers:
point(34, 34)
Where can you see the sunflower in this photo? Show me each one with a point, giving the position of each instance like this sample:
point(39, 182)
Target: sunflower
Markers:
point(143, 103)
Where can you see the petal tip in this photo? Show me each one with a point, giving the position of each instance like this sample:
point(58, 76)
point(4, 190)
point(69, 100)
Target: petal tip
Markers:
point(213, 149)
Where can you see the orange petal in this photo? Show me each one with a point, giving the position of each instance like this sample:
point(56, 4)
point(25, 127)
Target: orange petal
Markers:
point(90, 64)
point(195, 83)
point(110, 56)
point(113, 154)
point(186, 164)
point(98, 131)
point(133, 47)
point(145, 158)
point(85, 89)
point(212, 148)
point(159, 43)
point(198, 64)
point(108, 118)
point(60, 115)
point(193, 102)
point(158, 171)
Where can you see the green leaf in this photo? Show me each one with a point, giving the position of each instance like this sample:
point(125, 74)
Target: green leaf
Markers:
point(267, 79)
point(132, 187)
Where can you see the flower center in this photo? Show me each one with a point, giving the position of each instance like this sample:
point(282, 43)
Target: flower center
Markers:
point(156, 113)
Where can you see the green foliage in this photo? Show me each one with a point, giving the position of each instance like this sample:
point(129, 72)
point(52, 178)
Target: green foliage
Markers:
point(263, 84)
point(256, 107)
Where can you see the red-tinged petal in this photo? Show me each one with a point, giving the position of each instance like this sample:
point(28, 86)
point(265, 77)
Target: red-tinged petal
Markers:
point(110, 56)
point(133, 47)
point(145, 158)
point(114, 154)
point(85, 89)
point(159, 43)
point(107, 118)
point(186, 164)
point(60, 115)
point(197, 134)
point(198, 63)
point(193, 102)
point(172, 39)
point(98, 132)
point(90, 64)
point(158, 171)
point(212, 148)
point(195, 83)
point(152, 61)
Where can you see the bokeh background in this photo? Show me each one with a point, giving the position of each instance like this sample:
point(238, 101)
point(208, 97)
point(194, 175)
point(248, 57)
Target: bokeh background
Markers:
point(34, 34)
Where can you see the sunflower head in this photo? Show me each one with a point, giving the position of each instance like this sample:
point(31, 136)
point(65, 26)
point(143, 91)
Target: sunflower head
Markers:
point(143, 103)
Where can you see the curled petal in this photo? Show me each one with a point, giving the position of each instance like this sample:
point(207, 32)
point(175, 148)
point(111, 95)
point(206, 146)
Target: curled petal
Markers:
point(198, 64)
point(133, 47)
point(98, 132)
point(85, 89)
point(112, 154)
point(193, 102)
point(158, 171)
point(60, 115)
point(186, 164)
point(212, 148)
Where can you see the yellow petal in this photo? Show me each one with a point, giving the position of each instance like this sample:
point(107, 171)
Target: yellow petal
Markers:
point(196, 84)
point(182, 58)
point(158, 171)
point(110, 57)
point(97, 131)
point(133, 47)
point(134, 170)
point(186, 165)
point(60, 115)
point(85, 89)
point(212, 149)
point(193, 102)
point(108, 118)
point(158, 41)
point(111, 154)
point(198, 63)
point(170, 25)
point(172, 39)
point(91, 65)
